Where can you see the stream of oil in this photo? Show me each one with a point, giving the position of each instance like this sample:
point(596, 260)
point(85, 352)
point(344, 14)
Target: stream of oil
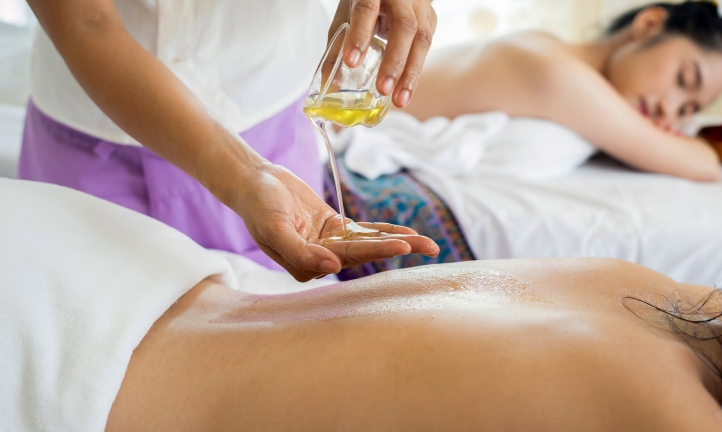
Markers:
point(346, 117)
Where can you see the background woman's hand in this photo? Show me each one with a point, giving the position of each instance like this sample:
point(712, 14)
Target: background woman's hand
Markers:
point(669, 128)
point(289, 221)
point(408, 25)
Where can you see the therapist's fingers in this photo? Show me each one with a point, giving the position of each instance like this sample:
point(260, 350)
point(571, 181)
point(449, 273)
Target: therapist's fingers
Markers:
point(362, 21)
point(419, 244)
point(360, 251)
point(389, 232)
point(402, 31)
point(409, 80)
point(364, 249)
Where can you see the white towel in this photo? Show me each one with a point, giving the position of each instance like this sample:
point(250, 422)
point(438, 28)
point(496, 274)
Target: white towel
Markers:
point(491, 143)
point(81, 283)
point(253, 278)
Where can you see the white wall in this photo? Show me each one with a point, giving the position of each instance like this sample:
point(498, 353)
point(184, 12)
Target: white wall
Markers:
point(459, 21)
point(572, 20)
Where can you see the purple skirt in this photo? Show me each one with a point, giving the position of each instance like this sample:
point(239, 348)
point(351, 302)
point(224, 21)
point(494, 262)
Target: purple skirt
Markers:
point(137, 178)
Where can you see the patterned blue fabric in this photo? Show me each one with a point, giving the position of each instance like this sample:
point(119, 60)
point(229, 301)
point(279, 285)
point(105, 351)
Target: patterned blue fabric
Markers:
point(401, 200)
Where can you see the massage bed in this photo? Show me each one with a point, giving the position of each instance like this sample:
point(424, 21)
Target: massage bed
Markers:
point(601, 210)
point(535, 190)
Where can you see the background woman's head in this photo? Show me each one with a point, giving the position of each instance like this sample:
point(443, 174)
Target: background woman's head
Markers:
point(668, 62)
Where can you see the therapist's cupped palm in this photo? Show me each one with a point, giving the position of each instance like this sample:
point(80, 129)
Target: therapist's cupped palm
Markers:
point(289, 221)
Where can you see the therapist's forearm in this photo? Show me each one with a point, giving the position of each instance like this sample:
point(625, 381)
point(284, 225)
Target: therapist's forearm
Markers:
point(140, 94)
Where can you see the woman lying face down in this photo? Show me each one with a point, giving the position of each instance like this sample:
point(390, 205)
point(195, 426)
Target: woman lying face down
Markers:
point(559, 345)
point(628, 92)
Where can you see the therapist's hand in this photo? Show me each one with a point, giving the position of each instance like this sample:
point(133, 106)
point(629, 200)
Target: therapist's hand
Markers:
point(408, 25)
point(138, 92)
point(289, 221)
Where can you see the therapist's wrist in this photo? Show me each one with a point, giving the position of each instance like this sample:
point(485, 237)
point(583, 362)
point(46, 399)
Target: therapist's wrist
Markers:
point(226, 165)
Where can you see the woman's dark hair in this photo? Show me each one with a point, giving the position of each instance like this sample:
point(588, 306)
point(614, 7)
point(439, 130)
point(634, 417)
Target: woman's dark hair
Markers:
point(696, 321)
point(697, 20)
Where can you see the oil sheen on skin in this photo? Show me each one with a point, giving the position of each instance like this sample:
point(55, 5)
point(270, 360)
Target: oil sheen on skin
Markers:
point(419, 289)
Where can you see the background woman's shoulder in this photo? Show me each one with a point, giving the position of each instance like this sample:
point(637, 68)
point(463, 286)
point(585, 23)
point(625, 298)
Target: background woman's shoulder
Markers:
point(536, 44)
point(535, 56)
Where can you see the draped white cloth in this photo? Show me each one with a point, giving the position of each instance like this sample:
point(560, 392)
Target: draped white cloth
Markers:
point(82, 281)
point(488, 143)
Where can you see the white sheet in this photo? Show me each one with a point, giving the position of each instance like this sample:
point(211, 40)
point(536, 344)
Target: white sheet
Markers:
point(602, 210)
point(81, 282)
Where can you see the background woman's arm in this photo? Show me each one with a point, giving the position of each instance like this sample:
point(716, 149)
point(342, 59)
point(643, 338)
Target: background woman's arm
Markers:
point(517, 77)
point(584, 101)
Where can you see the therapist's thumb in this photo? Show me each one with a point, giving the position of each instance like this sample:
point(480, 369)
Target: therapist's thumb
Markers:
point(304, 256)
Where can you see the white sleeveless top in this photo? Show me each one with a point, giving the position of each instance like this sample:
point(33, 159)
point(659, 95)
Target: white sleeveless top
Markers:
point(245, 59)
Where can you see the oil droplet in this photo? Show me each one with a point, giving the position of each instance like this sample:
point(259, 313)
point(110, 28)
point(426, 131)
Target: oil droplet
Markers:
point(353, 231)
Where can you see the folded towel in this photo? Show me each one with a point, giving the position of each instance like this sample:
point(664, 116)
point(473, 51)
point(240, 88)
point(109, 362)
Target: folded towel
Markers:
point(491, 143)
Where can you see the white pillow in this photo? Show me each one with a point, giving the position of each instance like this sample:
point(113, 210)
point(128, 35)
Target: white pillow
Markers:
point(535, 149)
